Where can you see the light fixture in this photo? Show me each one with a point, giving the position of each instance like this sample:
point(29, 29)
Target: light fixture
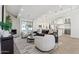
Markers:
point(22, 9)
point(19, 14)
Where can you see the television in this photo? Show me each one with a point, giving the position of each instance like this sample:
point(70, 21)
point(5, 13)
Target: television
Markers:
point(13, 31)
point(45, 31)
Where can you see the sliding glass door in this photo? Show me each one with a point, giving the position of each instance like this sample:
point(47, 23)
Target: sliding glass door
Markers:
point(26, 26)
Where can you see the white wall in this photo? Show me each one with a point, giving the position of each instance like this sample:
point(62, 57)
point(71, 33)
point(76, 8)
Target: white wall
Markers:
point(15, 23)
point(43, 20)
point(36, 23)
point(73, 15)
point(75, 24)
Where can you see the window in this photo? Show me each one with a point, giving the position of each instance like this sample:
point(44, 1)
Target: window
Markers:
point(26, 26)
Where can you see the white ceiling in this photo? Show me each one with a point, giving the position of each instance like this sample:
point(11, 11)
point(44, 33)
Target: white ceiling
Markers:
point(34, 11)
point(13, 9)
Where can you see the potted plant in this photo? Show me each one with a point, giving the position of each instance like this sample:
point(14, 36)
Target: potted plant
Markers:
point(7, 25)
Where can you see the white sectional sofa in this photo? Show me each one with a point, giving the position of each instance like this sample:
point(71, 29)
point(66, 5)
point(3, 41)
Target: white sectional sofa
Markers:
point(45, 43)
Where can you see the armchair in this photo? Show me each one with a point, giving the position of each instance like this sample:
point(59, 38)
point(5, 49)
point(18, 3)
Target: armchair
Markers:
point(45, 43)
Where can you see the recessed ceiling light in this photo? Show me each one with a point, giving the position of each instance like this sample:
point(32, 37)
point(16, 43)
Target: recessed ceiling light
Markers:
point(22, 9)
point(19, 14)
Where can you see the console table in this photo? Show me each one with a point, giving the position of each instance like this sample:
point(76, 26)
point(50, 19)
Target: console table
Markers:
point(7, 44)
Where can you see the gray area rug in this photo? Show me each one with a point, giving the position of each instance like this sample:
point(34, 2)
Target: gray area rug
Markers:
point(22, 47)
